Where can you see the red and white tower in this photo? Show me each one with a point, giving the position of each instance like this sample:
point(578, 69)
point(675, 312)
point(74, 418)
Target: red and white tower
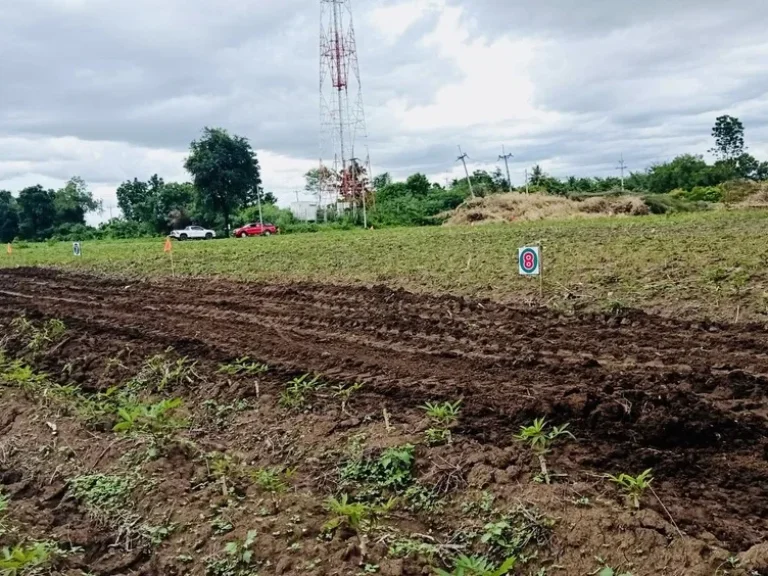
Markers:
point(344, 158)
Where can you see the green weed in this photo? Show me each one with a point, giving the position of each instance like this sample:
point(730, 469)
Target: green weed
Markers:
point(633, 486)
point(22, 560)
point(357, 516)
point(243, 367)
point(157, 418)
point(438, 436)
point(445, 414)
point(105, 496)
point(513, 533)
point(478, 566)
point(272, 480)
point(237, 558)
point(160, 372)
point(407, 547)
point(540, 439)
point(297, 391)
point(345, 393)
point(390, 473)
point(222, 413)
point(38, 338)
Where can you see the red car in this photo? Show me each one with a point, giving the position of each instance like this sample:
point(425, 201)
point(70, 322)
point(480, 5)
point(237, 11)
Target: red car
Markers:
point(256, 229)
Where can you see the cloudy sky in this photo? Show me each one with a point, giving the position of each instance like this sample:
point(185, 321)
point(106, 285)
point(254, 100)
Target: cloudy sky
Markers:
point(115, 89)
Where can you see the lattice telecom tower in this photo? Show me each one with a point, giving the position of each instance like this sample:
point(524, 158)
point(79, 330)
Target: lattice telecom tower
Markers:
point(344, 158)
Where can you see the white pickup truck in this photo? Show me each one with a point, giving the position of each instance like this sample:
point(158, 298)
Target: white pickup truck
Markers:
point(193, 233)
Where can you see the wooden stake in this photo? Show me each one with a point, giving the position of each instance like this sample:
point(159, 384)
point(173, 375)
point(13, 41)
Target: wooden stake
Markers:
point(541, 272)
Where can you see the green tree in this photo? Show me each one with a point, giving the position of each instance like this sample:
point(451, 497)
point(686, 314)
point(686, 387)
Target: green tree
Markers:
point(225, 171)
point(537, 176)
point(418, 185)
point(684, 172)
point(382, 180)
point(37, 212)
point(73, 202)
point(728, 133)
point(133, 198)
point(9, 217)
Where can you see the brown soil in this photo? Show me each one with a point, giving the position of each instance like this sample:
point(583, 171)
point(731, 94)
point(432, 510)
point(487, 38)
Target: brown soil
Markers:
point(685, 399)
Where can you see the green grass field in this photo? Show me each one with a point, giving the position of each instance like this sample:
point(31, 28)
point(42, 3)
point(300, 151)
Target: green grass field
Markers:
point(703, 264)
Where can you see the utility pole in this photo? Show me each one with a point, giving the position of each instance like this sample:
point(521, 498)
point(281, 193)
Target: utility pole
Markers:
point(622, 166)
point(504, 156)
point(463, 157)
point(526, 181)
point(261, 216)
point(354, 162)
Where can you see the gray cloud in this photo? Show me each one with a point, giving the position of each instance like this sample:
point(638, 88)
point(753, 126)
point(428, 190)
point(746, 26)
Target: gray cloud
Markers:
point(110, 88)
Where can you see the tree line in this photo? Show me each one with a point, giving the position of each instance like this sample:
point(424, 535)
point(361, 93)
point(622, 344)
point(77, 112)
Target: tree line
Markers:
point(226, 191)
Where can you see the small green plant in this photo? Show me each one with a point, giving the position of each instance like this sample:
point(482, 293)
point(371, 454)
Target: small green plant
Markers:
point(25, 559)
point(243, 367)
point(445, 414)
point(160, 372)
point(271, 479)
point(221, 414)
point(149, 418)
point(357, 516)
point(437, 436)
point(297, 391)
point(514, 532)
point(606, 570)
point(237, 559)
point(105, 496)
point(345, 393)
point(156, 535)
point(221, 525)
point(478, 566)
point(540, 439)
point(20, 375)
point(407, 547)
point(39, 338)
point(633, 486)
point(4, 501)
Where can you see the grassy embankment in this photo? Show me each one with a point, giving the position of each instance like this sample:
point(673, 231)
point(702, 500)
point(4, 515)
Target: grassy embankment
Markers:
point(702, 264)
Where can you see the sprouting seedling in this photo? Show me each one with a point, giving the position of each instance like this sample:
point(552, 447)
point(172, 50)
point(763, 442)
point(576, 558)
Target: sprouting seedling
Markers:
point(540, 440)
point(478, 566)
point(345, 393)
point(445, 413)
point(633, 486)
point(243, 366)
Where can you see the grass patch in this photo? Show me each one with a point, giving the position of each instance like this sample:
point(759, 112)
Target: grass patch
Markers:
point(650, 261)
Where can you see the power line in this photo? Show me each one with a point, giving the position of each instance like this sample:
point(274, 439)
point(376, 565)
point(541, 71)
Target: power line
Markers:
point(506, 158)
point(463, 158)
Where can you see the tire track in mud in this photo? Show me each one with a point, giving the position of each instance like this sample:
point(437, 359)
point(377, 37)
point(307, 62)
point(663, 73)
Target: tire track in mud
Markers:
point(687, 399)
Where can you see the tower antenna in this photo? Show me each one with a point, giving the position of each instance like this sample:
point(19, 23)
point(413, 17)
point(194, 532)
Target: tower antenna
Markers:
point(344, 158)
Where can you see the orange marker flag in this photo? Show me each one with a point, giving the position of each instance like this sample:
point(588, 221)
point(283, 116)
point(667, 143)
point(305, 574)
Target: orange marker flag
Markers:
point(9, 249)
point(167, 247)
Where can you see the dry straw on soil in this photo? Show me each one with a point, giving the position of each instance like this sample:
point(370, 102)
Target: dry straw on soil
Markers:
point(516, 207)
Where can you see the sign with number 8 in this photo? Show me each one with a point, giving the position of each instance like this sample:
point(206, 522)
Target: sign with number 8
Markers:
point(529, 261)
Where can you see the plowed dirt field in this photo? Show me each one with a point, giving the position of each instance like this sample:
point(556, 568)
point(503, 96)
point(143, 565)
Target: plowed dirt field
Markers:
point(686, 399)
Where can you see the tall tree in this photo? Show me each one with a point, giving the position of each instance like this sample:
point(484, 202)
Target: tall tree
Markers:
point(728, 133)
point(74, 201)
point(37, 212)
point(225, 170)
point(9, 217)
point(133, 198)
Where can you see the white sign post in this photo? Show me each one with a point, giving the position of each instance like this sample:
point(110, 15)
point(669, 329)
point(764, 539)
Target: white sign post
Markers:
point(76, 249)
point(529, 264)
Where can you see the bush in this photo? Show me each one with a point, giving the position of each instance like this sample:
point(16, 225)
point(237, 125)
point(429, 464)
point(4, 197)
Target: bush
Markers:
point(700, 194)
point(668, 204)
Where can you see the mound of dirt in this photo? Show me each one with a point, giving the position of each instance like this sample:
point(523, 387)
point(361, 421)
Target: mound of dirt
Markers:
point(515, 207)
point(237, 479)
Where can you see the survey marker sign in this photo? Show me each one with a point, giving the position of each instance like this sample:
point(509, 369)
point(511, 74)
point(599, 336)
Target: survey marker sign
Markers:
point(529, 260)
